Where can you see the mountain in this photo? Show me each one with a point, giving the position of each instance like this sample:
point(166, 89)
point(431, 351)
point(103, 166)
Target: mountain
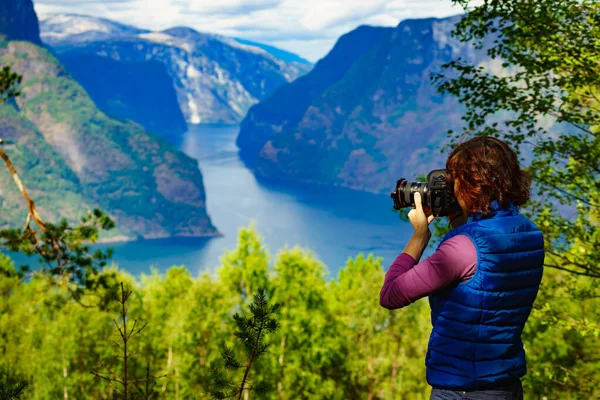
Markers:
point(141, 91)
point(366, 115)
point(72, 157)
point(275, 52)
point(18, 21)
point(66, 29)
point(215, 79)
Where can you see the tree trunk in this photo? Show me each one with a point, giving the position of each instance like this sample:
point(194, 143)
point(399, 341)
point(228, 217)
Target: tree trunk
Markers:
point(394, 374)
point(203, 346)
point(176, 384)
point(81, 368)
point(169, 362)
point(64, 365)
point(280, 370)
point(370, 372)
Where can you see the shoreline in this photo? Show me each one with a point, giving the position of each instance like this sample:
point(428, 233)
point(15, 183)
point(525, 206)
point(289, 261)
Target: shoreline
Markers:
point(125, 239)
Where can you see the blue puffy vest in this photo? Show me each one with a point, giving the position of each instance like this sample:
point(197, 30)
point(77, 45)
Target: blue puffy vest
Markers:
point(476, 338)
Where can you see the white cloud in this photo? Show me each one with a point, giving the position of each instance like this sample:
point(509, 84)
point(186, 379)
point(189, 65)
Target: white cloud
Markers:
point(226, 7)
point(306, 27)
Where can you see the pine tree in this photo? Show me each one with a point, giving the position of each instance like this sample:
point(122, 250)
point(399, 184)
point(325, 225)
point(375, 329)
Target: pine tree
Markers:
point(250, 333)
point(126, 386)
point(8, 389)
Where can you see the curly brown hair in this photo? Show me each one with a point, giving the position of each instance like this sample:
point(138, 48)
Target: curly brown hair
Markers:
point(486, 169)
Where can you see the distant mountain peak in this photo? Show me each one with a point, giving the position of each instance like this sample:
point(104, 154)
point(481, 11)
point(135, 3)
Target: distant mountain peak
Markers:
point(184, 32)
point(59, 29)
point(274, 51)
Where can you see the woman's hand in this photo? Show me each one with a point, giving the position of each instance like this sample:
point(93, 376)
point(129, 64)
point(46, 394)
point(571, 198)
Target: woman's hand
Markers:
point(419, 218)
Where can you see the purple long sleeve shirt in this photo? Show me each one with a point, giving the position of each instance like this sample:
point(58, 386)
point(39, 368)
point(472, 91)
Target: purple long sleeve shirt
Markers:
point(406, 281)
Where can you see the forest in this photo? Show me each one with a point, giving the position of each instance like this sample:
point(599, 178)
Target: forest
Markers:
point(271, 326)
point(334, 339)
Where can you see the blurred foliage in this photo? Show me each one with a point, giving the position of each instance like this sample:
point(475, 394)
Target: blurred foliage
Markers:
point(9, 81)
point(64, 255)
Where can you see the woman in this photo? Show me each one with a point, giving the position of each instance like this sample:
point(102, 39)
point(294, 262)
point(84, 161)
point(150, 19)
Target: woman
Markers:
point(482, 279)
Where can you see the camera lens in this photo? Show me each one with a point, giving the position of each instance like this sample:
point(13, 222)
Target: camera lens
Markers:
point(405, 192)
point(413, 187)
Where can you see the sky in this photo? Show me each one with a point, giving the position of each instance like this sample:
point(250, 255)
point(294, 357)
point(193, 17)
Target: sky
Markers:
point(309, 28)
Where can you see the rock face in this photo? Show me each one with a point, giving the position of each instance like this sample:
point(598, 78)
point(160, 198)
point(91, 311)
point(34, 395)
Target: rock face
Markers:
point(18, 21)
point(141, 91)
point(72, 157)
point(216, 79)
point(366, 114)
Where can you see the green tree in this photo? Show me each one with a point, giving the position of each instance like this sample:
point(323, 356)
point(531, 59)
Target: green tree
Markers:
point(205, 324)
point(386, 360)
point(8, 389)
point(9, 82)
point(166, 306)
point(309, 350)
point(546, 104)
point(245, 269)
point(125, 383)
point(250, 332)
point(52, 342)
point(550, 51)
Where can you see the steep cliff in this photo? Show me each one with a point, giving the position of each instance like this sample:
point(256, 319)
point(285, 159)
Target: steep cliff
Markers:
point(141, 91)
point(71, 157)
point(365, 115)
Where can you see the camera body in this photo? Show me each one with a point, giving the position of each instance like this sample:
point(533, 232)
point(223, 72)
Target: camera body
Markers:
point(435, 193)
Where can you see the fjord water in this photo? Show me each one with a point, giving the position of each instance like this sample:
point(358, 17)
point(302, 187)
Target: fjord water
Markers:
point(334, 223)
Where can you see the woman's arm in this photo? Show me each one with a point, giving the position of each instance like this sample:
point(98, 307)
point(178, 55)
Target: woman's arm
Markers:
point(407, 281)
point(417, 244)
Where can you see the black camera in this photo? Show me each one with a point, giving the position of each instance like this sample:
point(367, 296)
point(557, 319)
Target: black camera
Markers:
point(435, 193)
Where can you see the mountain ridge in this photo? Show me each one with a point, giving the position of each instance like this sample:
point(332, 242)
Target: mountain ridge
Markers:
point(375, 119)
point(58, 29)
point(215, 78)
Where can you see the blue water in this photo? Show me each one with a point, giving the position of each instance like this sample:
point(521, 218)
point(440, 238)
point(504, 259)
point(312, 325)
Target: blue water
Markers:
point(334, 223)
